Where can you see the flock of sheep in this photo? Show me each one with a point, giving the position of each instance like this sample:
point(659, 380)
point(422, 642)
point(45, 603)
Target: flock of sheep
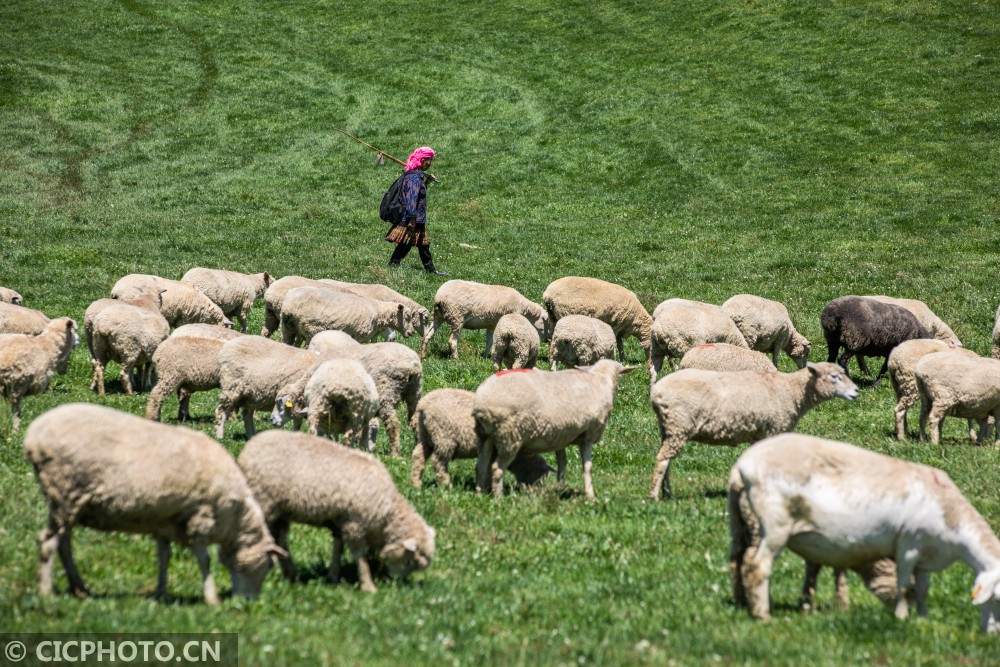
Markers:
point(834, 504)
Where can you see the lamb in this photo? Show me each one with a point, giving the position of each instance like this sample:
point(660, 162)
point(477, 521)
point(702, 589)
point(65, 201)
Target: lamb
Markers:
point(526, 412)
point(725, 357)
point(766, 327)
point(7, 295)
point(866, 327)
point(184, 364)
point(233, 292)
point(28, 362)
point(444, 430)
point(21, 320)
point(304, 479)
point(339, 397)
point(252, 370)
point(840, 505)
point(680, 324)
point(956, 385)
point(468, 305)
point(419, 314)
point(733, 407)
point(396, 369)
point(608, 302)
point(112, 471)
point(515, 343)
point(182, 303)
point(274, 295)
point(996, 335)
point(126, 333)
point(581, 340)
point(305, 311)
point(902, 362)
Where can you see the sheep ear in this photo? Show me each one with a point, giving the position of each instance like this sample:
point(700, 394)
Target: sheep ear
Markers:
point(273, 550)
point(628, 369)
point(985, 590)
point(410, 545)
point(811, 365)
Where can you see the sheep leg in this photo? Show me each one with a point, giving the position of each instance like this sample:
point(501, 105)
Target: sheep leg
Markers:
point(904, 404)
point(221, 415)
point(183, 405)
point(155, 402)
point(585, 457)
point(934, 421)
point(163, 560)
point(499, 467)
point(756, 574)
point(882, 371)
point(98, 381)
point(484, 462)
point(336, 555)
point(359, 550)
point(15, 413)
point(440, 469)
point(453, 341)
point(271, 323)
point(862, 365)
point(845, 359)
point(561, 465)
point(620, 344)
point(208, 583)
point(279, 529)
point(69, 564)
point(921, 586)
point(125, 373)
point(248, 423)
point(808, 596)
point(435, 323)
point(842, 591)
point(48, 545)
point(669, 450)
point(489, 344)
point(387, 414)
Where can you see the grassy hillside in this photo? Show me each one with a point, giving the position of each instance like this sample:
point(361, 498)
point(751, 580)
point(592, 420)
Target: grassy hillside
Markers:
point(798, 151)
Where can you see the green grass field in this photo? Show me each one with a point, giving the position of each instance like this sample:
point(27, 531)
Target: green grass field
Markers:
point(798, 151)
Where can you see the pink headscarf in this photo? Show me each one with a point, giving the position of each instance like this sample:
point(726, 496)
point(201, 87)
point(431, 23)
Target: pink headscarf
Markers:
point(413, 162)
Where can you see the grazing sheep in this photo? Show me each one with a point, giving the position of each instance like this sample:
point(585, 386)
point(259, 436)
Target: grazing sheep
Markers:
point(468, 305)
point(339, 397)
point(233, 292)
point(525, 412)
point(213, 331)
point(420, 315)
point(515, 343)
point(866, 327)
point(725, 357)
point(184, 364)
point(902, 362)
point(28, 362)
point(581, 340)
point(608, 302)
point(733, 407)
point(127, 334)
point(396, 369)
point(839, 505)
point(8, 295)
point(20, 320)
point(274, 295)
point(996, 335)
point(680, 324)
point(305, 311)
point(112, 471)
point(299, 478)
point(252, 370)
point(955, 385)
point(935, 326)
point(766, 327)
point(182, 303)
point(444, 430)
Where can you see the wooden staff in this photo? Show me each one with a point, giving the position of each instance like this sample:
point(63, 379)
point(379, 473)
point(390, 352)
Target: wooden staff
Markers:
point(384, 154)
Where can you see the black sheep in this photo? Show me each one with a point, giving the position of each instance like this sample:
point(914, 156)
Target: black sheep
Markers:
point(866, 328)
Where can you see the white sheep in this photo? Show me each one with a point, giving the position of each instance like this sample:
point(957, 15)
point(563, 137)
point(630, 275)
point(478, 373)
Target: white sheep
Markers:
point(112, 471)
point(766, 327)
point(274, 295)
point(339, 397)
point(680, 324)
point(608, 302)
point(735, 407)
point(213, 331)
point(27, 363)
point(444, 430)
point(21, 320)
point(725, 357)
point(515, 343)
point(954, 385)
point(252, 370)
point(299, 478)
point(396, 369)
point(902, 363)
point(839, 505)
point(184, 364)
point(127, 334)
point(7, 295)
point(464, 304)
point(235, 293)
point(181, 303)
point(581, 340)
point(525, 412)
point(305, 311)
point(419, 314)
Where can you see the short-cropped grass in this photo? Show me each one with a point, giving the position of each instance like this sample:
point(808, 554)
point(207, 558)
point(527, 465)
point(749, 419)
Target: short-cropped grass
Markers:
point(798, 151)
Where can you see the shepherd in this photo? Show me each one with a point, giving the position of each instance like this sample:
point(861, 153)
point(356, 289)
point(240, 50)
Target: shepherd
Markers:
point(412, 230)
